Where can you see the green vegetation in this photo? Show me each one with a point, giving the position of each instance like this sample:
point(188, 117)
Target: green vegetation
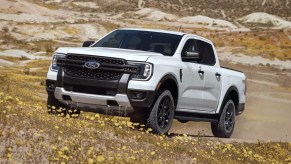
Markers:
point(29, 135)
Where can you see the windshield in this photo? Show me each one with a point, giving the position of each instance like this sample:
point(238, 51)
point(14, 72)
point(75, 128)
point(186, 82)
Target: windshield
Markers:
point(163, 43)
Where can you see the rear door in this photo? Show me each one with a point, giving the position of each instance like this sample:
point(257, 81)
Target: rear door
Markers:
point(211, 75)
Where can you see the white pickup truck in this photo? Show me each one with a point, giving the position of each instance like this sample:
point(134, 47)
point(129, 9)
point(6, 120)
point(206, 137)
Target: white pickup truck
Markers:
point(152, 76)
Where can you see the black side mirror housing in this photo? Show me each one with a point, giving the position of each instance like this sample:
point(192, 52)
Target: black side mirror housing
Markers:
point(88, 43)
point(191, 57)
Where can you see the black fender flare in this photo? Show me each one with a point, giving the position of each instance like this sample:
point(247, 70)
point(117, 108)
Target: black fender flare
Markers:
point(167, 77)
point(232, 88)
point(162, 81)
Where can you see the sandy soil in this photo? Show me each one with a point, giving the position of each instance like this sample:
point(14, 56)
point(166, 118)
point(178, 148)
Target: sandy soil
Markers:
point(226, 55)
point(267, 19)
point(23, 55)
point(152, 14)
point(211, 22)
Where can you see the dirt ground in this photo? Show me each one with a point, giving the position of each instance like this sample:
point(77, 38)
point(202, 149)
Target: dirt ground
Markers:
point(267, 115)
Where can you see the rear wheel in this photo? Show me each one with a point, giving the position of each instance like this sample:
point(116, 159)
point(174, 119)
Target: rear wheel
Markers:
point(161, 116)
point(225, 125)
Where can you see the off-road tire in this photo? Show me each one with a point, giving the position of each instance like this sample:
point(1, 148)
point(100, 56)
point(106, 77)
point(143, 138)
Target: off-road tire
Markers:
point(226, 123)
point(161, 116)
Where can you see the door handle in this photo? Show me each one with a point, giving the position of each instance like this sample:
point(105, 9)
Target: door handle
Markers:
point(201, 72)
point(217, 74)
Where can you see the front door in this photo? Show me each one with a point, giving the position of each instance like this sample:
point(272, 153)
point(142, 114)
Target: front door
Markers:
point(192, 81)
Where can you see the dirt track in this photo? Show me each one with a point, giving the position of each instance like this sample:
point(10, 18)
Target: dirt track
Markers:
point(267, 115)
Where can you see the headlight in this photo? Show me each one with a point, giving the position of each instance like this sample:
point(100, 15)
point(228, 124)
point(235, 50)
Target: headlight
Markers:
point(145, 70)
point(56, 56)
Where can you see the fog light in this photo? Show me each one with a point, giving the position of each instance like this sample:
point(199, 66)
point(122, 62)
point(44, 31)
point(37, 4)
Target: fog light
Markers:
point(138, 95)
point(51, 86)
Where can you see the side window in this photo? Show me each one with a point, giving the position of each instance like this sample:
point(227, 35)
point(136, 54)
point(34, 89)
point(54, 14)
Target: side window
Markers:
point(206, 53)
point(190, 46)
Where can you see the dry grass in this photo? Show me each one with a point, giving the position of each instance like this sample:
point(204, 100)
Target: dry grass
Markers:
point(109, 26)
point(266, 43)
point(29, 135)
point(9, 58)
point(71, 30)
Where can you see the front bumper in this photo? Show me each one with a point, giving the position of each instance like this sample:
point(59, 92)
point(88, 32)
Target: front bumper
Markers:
point(124, 99)
point(75, 97)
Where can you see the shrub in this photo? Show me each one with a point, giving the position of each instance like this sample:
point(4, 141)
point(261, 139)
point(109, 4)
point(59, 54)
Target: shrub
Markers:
point(5, 29)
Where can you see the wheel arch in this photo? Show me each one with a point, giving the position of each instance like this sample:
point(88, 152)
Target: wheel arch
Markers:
point(233, 94)
point(170, 82)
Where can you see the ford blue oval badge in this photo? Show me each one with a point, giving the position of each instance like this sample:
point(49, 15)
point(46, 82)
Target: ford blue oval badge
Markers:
point(92, 64)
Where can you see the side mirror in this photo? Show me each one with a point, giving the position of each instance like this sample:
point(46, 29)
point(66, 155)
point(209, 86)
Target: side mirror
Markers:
point(88, 43)
point(191, 57)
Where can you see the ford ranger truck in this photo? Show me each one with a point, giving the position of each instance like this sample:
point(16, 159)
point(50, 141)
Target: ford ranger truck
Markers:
point(151, 76)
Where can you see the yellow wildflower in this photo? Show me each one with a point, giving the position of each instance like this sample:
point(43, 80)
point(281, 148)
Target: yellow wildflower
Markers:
point(100, 158)
point(90, 160)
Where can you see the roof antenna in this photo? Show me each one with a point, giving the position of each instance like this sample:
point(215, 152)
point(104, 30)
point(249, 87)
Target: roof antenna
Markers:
point(180, 28)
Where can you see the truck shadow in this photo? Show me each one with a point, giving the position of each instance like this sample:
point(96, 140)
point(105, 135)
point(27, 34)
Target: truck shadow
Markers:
point(172, 135)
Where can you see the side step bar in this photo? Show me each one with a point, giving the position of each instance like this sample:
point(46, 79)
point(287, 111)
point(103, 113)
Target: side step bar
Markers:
point(196, 118)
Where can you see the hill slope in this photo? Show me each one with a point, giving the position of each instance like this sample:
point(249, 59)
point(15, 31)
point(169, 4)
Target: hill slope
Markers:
point(211, 8)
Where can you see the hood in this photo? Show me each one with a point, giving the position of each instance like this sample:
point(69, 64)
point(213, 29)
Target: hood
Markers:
point(126, 54)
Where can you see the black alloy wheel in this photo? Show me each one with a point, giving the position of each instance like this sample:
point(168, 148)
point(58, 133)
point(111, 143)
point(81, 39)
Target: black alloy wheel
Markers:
point(161, 116)
point(164, 112)
point(224, 126)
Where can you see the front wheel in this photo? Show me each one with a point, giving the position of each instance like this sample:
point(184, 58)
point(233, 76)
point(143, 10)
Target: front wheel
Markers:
point(225, 125)
point(162, 114)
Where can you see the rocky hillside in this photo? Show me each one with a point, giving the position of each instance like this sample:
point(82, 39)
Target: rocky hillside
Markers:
point(226, 9)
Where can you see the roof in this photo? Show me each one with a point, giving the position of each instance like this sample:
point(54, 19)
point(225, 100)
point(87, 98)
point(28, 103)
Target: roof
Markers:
point(154, 30)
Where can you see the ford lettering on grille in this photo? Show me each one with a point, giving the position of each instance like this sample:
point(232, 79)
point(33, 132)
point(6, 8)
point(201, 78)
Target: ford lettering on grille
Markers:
point(92, 65)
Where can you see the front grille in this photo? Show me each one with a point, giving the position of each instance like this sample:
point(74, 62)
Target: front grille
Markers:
point(110, 69)
point(101, 60)
point(92, 74)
